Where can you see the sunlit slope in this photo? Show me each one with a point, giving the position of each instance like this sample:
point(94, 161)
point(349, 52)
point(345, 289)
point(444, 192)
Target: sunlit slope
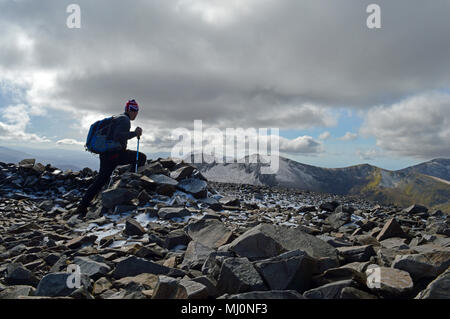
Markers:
point(405, 189)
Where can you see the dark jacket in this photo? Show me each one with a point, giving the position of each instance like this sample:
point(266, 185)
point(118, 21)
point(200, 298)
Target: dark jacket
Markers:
point(121, 129)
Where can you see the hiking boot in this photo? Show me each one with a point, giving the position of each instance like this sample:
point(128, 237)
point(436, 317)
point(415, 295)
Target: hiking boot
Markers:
point(81, 211)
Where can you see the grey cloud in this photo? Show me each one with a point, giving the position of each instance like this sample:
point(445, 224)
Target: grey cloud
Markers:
point(418, 126)
point(300, 145)
point(325, 135)
point(368, 154)
point(69, 141)
point(274, 60)
point(349, 136)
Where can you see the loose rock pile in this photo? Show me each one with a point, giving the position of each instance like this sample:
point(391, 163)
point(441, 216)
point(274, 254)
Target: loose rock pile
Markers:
point(166, 232)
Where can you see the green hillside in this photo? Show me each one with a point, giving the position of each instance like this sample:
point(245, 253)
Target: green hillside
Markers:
point(406, 189)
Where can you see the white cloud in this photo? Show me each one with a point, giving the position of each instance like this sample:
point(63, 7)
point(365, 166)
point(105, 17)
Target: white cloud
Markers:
point(300, 145)
point(368, 154)
point(349, 136)
point(218, 12)
point(325, 135)
point(16, 119)
point(235, 143)
point(69, 141)
point(418, 126)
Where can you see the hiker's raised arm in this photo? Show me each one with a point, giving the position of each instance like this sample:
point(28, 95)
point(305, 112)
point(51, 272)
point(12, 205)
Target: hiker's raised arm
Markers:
point(122, 131)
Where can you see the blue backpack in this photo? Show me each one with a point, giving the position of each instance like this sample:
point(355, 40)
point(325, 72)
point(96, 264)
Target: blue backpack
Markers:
point(99, 139)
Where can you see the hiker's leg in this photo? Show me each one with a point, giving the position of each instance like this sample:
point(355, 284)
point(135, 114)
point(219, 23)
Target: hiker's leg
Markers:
point(129, 157)
point(107, 166)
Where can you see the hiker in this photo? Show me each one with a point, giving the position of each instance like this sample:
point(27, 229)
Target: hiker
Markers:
point(111, 159)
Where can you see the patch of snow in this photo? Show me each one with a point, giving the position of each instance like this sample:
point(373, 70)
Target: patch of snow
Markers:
point(117, 244)
point(179, 247)
point(230, 173)
point(104, 233)
point(144, 219)
point(288, 224)
point(356, 218)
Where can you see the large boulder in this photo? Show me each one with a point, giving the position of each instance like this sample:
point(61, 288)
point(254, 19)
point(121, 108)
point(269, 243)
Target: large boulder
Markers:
point(148, 183)
point(209, 232)
point(289, 271)
point(133, 266)
point(229, 201)
point(194, 289)
point(93, 269)
point(438, 288)
point(168, 163)
point(213, 263)
point(356, 253)
point(272, 294)
point(101, 285)
point(165, 184)
point(55, 284)
point(266, 240)
point(133, 228)
point(394, 243)
point(338, 274)
point(439, 227)
point(425, 265)
point(182, 172)
point(153, 169)
point(416, 209)
point(173, 212)
point(389, 282)
point(338, 219)
point(212, 203)
point(14, 292)
point(197, 187)
point(17, 274)
point(195, 256)
point(238, 275)
point(353, 293)
point(329, 206)
point(391, 229)
point(175, 238)
point(113, 197)
point(210, 285)
point(27, 163)
point(335, 242)
point(137, 283)
point(329, 291)
point(168, 288)
point(81, 241)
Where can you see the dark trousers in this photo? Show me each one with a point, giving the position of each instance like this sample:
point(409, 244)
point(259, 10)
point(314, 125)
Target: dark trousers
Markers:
point(108, 162)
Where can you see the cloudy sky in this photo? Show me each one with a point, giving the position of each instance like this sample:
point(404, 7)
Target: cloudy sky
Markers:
point(340, 93)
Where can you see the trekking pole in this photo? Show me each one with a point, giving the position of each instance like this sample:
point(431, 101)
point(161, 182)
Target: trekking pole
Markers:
point(137, 153)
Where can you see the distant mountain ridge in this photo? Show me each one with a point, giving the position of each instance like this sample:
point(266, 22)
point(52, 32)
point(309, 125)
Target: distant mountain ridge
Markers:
point(439, 168)
point(427, 183)
point(8, 155)
point(63, 159)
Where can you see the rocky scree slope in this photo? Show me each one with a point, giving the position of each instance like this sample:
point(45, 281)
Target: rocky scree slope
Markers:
point(166, 232)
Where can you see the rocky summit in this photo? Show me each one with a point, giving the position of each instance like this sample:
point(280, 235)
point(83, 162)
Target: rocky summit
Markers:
point(168, 232)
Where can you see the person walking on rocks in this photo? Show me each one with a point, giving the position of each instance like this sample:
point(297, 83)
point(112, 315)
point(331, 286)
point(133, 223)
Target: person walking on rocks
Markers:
point(110, 160)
